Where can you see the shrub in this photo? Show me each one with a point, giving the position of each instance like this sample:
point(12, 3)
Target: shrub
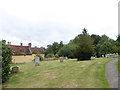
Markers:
point(85, 49)
point(6, 60)
point(56, 56)
point(66, 51)
point(50, 55)
point(38, 55)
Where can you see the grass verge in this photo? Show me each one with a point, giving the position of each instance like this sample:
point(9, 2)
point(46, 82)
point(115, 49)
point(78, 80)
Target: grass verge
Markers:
point(118, 66)
point(54, 74)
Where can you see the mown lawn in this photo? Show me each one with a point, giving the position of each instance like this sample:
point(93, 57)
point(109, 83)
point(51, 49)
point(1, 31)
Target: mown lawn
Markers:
point(118, 66)
point(54, 74)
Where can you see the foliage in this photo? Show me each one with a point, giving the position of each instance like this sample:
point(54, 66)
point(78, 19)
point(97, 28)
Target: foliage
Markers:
point(54, 48)
point(40, 57)
point(106, 48)
point(97, 49)
point(85, 48)
point(114, 49)
point(56, 56)
point(96, 39)
point(95, 44)
point(66, 51)
point(103, 39)
point(6, 60)
point(50, 55)
point(84, 32)
point(118, 43)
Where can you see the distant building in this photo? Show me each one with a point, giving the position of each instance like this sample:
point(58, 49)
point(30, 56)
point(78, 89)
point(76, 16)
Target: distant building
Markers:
point(28, 51)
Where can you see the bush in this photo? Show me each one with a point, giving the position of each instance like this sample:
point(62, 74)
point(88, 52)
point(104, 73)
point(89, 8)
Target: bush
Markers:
point(56, 56)
point(38, 55)
point(6, 60)
point(85, 49)
point(66, 51)
point(50, 55)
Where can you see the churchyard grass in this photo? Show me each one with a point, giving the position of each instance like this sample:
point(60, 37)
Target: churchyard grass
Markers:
point(54, 74)
point(118, 66)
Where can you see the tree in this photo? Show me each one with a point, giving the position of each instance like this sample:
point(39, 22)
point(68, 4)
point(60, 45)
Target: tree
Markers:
point(96, 39)
point(103, 39)
point(114, 49)
point(106, 48)
point(85, 32)
point(49, 49)
point(6, 60)
point(118, 43)
point(85, 48)
point(54, 48)
point(61, 44)
point(66, 51)
point(97, 49)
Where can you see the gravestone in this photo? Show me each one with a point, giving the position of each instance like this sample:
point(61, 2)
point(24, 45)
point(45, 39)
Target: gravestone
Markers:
point(15, 69)
point(37, 61)
point(61, 59)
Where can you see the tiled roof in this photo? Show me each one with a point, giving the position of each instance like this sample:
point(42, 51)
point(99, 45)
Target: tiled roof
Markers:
point(25, 50)
point(35, 50)
point(20, 50)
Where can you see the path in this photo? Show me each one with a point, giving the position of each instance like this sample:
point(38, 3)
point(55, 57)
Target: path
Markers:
point(112, 74)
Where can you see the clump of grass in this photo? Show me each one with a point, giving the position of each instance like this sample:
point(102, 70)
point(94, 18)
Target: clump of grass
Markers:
point(118, 66)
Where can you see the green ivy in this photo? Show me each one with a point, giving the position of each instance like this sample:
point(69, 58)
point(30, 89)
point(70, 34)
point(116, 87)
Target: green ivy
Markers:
point(6, 60)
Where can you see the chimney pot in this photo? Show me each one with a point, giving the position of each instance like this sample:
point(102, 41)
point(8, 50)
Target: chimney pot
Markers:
point(21, 44)
point(9, 43)
point(29, 44)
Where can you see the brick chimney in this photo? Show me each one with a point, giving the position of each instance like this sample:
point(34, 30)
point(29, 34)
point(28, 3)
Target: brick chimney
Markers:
point(4, 41)
point(29, 44)
point(21, 44)
point(9, 43)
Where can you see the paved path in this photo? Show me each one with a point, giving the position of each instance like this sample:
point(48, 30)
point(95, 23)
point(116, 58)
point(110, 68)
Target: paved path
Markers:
point(112, 74)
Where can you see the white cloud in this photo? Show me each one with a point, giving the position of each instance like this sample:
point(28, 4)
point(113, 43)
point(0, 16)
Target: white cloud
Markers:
point(45, 21)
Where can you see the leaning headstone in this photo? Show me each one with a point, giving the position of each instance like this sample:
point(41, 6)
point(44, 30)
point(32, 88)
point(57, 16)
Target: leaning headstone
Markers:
point(37, 61)
point(61, 59)
point(15, 69)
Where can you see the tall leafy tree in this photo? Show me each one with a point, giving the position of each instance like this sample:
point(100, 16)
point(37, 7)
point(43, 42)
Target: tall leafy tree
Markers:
point(84, 31)
point(106, 48)
point(85, 48)
point(54, 48)
point(103, 39)
point(96, 39)
point(66, 51)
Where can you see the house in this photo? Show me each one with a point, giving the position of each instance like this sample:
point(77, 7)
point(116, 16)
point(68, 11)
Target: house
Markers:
point(24, 53)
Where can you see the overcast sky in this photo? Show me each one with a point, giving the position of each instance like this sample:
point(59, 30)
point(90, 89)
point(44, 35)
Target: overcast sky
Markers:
point(42, 22)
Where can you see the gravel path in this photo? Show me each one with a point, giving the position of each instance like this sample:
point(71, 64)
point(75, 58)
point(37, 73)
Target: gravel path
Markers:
point(112, 74)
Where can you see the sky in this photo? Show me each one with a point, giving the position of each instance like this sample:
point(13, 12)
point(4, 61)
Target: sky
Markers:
point(42, 22)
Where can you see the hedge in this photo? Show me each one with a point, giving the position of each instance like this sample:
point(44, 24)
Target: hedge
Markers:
point(6, 60)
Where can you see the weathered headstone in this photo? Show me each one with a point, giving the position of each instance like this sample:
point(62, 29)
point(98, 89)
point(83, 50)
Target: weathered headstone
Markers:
point(15, 69)
point(61, 59)
point(37, 61)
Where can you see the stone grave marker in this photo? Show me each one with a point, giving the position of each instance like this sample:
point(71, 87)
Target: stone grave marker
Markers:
point(37, 61)
point(15, 69)
point(61, 59)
